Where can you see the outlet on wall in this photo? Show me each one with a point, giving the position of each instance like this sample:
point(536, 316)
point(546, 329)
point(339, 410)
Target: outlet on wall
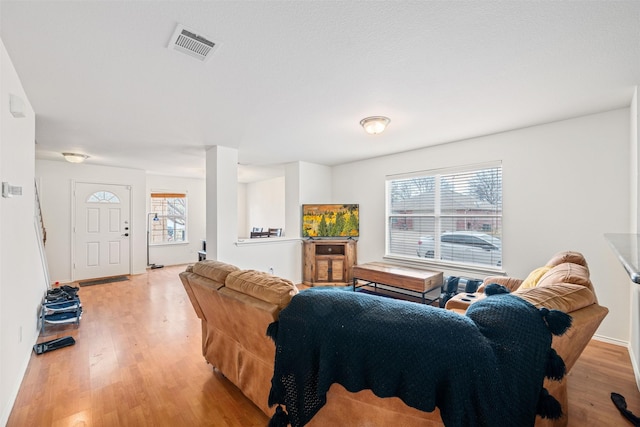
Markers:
point(271, 270)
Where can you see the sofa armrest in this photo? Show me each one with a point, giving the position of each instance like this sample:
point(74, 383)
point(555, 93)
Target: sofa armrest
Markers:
point(184, 277)
point(584, 324)
point(510, 283)
point(461, 302)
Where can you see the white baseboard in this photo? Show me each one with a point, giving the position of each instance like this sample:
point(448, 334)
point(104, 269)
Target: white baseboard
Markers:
point(636, 367)
point(6, 411)
point(609, 340)
point(635, 361)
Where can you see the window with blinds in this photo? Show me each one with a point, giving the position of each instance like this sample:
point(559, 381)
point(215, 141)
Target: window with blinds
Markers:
point(446, 216)
point(168, 224)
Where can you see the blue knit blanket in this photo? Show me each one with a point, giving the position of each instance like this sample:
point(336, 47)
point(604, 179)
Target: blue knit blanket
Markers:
point(483, 369)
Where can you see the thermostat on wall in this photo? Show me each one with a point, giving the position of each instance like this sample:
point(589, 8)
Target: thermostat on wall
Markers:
point(10, 190)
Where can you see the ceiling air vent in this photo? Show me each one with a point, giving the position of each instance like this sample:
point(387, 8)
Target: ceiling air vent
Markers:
point(189, 42)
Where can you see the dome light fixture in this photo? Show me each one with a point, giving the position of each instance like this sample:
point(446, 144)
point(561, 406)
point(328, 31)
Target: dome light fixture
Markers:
point(75, 157)
point(375, 124)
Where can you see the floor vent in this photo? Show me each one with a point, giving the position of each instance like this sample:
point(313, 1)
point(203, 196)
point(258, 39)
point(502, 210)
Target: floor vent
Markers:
point(190, 43)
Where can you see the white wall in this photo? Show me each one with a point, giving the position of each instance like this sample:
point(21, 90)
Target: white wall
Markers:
point(22, 279)
point(181, 253)
point(283, 255)
point(265, 205)
point(565, 184)
point(56, 178)
point(634, 165)
point(315, 183)
point(305, 183)
point(243, 224)
point(634, 288)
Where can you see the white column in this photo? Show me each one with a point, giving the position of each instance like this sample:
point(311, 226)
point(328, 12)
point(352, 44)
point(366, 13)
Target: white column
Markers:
point(292, 199)
point(222, 201)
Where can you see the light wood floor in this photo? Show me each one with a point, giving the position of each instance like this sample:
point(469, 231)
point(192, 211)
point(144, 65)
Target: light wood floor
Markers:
point(138, 362)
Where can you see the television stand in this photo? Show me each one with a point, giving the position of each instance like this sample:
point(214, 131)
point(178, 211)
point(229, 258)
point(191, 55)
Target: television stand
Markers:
point(328, 262)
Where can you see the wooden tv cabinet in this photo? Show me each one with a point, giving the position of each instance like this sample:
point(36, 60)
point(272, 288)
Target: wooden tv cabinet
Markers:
point(328, 262)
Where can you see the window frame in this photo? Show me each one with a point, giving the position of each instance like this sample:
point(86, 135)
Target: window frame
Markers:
point(103, 196)
point(488, 222)
point(164, 217)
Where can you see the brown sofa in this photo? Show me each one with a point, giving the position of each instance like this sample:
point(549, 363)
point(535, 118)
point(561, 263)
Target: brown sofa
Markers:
point(562, 284)
point(236, 307)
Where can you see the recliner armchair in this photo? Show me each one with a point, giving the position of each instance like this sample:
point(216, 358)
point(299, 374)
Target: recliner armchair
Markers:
point(563, 283)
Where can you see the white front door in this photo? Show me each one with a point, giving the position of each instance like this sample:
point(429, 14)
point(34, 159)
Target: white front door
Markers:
point(101, 230)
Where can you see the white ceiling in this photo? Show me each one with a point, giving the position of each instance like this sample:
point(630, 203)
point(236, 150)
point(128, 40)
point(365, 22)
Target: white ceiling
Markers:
point(292, 79)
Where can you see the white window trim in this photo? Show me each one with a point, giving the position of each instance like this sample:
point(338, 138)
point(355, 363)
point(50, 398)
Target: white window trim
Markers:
point(440, 264)
point(186, 216)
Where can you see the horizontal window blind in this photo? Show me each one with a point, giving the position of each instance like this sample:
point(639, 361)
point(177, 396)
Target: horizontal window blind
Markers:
point(167, 195)
point(449, 215)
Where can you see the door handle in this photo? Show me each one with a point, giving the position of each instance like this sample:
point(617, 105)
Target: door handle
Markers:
point(126, 234)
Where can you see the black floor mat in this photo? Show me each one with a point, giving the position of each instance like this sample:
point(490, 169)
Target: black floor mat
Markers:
point(103, 281)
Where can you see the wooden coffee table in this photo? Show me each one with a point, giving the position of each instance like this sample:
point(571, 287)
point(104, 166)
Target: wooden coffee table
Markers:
point(401, 277)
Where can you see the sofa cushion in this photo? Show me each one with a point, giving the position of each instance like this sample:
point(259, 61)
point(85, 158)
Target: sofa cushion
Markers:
point(562, 296)
point(567, 256)
point(262, 286)
point(214, 270)
point(532, 279)
point(566, 273)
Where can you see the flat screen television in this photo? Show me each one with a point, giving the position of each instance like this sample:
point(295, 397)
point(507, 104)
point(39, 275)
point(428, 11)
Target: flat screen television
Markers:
point(330, 221)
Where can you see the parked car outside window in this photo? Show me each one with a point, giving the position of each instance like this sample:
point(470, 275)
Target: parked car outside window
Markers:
point(463, 246)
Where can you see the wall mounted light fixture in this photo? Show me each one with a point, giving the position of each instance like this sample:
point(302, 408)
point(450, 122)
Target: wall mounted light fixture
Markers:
point(375, 124)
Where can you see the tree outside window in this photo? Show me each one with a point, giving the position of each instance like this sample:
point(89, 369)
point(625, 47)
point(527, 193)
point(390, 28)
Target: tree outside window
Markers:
point(171, 225)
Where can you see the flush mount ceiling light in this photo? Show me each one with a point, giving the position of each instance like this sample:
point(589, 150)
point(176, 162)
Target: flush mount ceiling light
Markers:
point(74, 157)
point(375, 124)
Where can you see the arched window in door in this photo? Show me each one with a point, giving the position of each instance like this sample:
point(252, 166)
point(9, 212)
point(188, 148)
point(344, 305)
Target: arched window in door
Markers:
point(103, 197)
